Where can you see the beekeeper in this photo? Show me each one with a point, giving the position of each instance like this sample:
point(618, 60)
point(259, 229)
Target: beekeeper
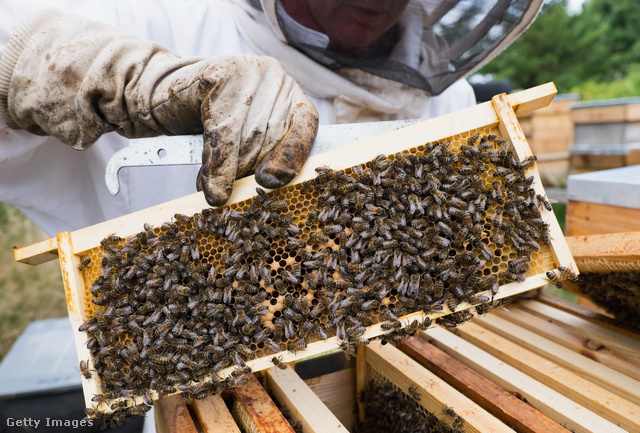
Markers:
point(89, 74)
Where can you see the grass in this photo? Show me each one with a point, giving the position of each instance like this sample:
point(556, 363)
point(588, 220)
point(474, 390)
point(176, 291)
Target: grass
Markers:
point(560, 210)
point(27, 293)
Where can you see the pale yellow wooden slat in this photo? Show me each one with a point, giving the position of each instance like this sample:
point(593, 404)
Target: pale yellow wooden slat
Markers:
point(511, 130)
point(625, 347)
point(596, 372)
point(481, 115)
point(570, 340)
point(361, 377)
point(74, 287)
point(303, 405)
point(435, 393)
point(38, 253)
point(532, 99)
point(174, 416)
point(213, 415)
point(595, 398)
point(553, 404)
point(616, 247)
point(588, 314)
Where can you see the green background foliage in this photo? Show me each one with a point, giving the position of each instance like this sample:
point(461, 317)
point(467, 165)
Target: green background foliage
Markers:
point(595, 53)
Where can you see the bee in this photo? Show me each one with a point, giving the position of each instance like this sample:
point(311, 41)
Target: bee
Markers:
point(543, 200)
point(554, 279)
point(498, 237)
point(415, 205)
point(93, 412)
point(83, 264)
point(484, 249)
point(160, 359)
point(469, 258)
point(449, 411)
point(272, 345)
point(277, 361)
point(513, 276)
point(318, 237)
point(182, 219)
point(388, 326)
point(496, 192)
point(440, 241)
point(110, 239)
point(413, 392)
point(529, 162)
point(296, 346)
point(84, 370)
point(438, 288)
point(565, 272)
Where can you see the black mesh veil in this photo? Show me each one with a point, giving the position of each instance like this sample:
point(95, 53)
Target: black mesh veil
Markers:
point(432, 44)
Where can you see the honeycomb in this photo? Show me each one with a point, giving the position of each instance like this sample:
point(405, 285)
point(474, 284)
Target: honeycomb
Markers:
point(419, 231)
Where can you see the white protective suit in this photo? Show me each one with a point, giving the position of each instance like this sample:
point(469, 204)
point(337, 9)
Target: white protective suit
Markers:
point(62, 189)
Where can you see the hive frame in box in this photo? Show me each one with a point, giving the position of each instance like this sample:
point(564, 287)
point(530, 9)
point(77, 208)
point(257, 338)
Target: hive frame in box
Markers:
point(603, 253)
point(498, 114)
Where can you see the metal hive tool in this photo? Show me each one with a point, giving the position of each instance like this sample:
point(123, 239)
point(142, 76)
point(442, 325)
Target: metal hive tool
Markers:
point(305, 236)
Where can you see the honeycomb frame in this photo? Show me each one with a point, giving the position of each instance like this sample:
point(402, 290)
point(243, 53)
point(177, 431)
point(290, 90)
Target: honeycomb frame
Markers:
point(380, 365)
point(497, 116)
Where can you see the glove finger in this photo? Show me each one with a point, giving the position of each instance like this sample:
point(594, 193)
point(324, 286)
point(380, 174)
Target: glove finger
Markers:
point(219, 164)
point(286, 159)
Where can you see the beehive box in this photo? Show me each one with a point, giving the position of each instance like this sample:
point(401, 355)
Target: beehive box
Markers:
point(298, 262)
point(538, 366)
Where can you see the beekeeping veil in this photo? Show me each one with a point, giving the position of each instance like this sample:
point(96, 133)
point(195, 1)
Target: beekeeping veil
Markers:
point(433, 44)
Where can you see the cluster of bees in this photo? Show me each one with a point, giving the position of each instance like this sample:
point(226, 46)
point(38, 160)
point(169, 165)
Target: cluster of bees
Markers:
point(387, 409)
point(397, 235)
point(617, 292)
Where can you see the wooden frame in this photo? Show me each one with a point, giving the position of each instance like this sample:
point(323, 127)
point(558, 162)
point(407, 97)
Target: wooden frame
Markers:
point(500, 112)
point(256, 412)
point(497, 401)
point(553, 404)
point(572, 385)
point(602, 253)
point(301, 402)
point(209, 415)
point(435, 394)
point(501, 371)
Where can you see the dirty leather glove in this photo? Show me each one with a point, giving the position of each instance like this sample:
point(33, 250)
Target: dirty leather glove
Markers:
point(76, 79)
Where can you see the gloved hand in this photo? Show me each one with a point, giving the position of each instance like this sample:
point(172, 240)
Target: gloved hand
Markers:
point(75, 79)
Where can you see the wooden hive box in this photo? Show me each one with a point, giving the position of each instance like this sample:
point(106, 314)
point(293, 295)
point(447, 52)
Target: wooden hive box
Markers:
point(607, 134)
point(213, 249)
point(538, 366)
point(606, 201)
